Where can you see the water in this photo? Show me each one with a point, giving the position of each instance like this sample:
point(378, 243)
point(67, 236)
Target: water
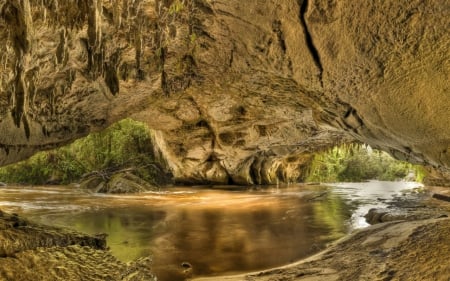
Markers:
point(217, 231)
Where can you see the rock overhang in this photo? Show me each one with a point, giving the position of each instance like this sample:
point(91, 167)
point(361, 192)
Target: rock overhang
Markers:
point(237, 91)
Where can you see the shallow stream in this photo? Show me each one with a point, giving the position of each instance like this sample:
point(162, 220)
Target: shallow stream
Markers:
point(216, 230)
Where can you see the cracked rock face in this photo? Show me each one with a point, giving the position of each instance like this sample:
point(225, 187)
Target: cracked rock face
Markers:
point(236, 91)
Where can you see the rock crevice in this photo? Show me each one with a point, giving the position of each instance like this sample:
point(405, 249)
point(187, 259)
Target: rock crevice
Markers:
point(308, 38)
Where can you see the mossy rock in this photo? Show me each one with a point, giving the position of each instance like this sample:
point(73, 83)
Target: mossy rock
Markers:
point(124, 182)
point(91, 182)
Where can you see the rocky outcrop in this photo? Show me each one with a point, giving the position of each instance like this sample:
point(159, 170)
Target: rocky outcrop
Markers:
point(30, 251)
point(19, 235)
point(237, 91)
point(380, 215)
point(437, 177)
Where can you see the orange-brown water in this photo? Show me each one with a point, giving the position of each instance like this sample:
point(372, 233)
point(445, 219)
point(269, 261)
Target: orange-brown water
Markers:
point(217, 231)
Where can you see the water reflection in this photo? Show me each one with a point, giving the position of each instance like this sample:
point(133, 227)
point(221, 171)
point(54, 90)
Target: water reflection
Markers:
point(215, 231)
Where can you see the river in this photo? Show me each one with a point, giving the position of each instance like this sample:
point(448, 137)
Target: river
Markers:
point(215, 230)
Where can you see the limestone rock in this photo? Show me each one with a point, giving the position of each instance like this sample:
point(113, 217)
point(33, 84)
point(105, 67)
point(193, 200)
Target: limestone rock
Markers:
point(30, 251)
point(238, 91)
point(18, 235)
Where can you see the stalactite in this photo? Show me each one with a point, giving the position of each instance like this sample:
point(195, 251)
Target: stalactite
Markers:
point(17, 15)
point(95, 46)
point(117, 13)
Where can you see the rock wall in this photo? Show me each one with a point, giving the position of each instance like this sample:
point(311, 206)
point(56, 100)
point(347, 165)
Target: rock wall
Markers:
point(237, 91)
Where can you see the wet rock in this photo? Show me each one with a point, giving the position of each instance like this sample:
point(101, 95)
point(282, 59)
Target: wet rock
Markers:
point(123, 182)
point(380, 215)
point(32, 251)
point(409, 206)
point(375, 216)
point(18, 235)
point(71, 263)
point(92, 182)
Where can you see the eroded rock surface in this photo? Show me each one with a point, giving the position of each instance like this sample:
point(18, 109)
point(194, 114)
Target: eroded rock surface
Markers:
point(30, 251)
point(238, 91)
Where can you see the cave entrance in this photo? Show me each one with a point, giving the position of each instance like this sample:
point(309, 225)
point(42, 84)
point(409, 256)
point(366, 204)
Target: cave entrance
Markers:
point(359, 163)
point(192, 231)
point(122, 154)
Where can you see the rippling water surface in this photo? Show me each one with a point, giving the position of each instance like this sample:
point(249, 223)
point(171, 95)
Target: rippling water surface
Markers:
point(216, 230)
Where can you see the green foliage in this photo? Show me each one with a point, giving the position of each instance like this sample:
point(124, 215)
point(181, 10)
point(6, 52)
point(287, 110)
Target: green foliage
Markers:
point(124, 144)
point(193, 37)
point(176, 7)
point(356, 162)
point(34, 168)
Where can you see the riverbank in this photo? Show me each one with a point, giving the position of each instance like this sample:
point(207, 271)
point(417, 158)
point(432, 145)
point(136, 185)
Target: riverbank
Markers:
point(30, 251)
point(404, 249)
point(396, 250)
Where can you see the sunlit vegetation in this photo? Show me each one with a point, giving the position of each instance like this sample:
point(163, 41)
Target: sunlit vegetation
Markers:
point(126, 144)
point(355, 162)
point(333, 213)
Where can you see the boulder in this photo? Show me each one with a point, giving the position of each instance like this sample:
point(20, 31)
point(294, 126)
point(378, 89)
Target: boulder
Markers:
point(121, 182)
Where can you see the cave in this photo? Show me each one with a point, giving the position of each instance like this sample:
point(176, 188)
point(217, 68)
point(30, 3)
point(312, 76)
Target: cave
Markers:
point(235, 92)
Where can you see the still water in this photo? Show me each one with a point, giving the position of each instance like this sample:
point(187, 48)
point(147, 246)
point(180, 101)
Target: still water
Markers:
point(216, 230)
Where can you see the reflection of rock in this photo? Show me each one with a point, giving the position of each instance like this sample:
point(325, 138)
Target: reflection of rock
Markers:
point(416, 250)
point(30, 251)
point(123, 182)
